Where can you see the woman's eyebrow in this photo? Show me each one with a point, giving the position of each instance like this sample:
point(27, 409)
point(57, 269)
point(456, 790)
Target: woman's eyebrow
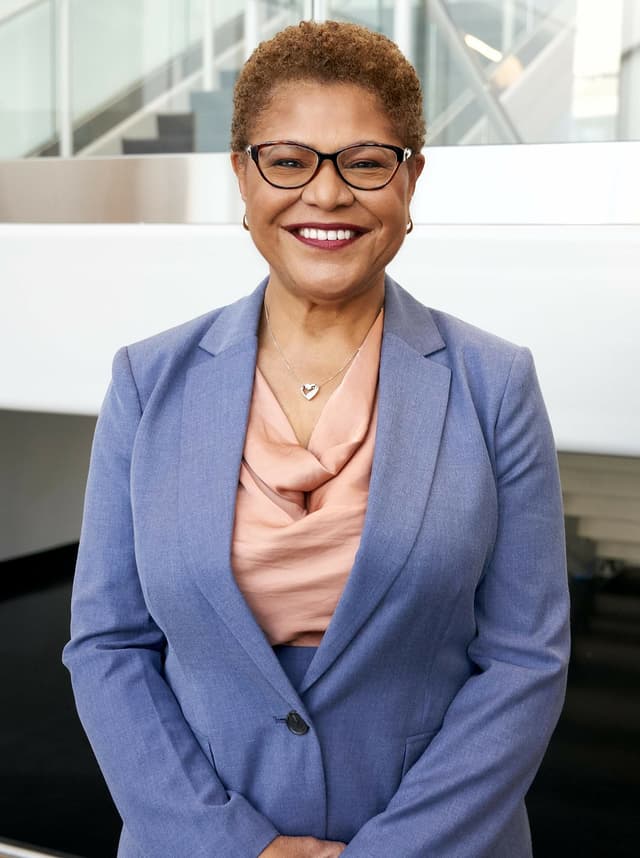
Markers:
point(340, 148)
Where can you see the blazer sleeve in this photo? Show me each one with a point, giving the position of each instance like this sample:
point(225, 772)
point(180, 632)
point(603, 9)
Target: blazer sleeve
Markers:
point(461, 796)
point(166, 790)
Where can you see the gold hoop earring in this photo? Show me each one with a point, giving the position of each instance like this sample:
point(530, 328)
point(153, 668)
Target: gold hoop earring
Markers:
point(244, 222)
point(409, 226)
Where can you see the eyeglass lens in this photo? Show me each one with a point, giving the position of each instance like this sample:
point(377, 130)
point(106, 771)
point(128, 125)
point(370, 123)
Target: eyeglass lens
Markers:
point(289, 166)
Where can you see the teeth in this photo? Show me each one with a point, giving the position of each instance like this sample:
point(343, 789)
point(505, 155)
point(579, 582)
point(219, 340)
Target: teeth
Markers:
point(327, 235)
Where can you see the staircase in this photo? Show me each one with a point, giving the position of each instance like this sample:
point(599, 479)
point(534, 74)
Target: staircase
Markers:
point(175, 134)
point(206, 128)
point(602, 495)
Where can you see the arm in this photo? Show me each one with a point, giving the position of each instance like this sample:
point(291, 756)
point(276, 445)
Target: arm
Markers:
point(164, 786)
point(462, 794)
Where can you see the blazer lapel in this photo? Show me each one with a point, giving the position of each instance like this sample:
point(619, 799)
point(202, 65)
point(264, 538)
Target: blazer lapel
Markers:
point(413, 393)
point(412, 400)
point(217, 399)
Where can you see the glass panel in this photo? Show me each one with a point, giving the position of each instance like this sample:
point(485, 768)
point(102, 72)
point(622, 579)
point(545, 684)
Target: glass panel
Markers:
point(175, 82)
point(377, 15)
point(212, 102)
point(156, 76)
point(498, 71)
point(528, 71)
point(27, 82)
point(157, 45)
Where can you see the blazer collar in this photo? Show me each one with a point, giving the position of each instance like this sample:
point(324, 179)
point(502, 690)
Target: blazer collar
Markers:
point(236, 322)
point(404, 317)
point(411, 321)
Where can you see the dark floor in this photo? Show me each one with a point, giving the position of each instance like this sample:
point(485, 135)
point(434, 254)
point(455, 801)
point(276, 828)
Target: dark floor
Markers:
point(585, 801)
point(51, 792)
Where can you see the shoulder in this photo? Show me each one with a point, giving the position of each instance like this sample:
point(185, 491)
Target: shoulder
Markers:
point(449, 340)
point(163, 358)
point(466, 341)
point(170, 344)
point(493, 384)
point(485, 369)
point(479, 354)
point(142, 364)
point(483, 363)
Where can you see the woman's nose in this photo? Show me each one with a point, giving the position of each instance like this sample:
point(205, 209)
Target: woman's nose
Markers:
point(327, 189)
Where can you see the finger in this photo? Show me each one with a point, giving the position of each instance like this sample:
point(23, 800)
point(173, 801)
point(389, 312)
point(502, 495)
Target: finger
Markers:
point(335, 849)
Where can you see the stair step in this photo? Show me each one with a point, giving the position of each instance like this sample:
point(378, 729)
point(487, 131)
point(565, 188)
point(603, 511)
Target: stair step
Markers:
point(602, 506)
point(175, 124)
point(581, 481)
point(612, 549)
point(227, 78)
point(156, 145)
point(609, 529)
point(213, 111)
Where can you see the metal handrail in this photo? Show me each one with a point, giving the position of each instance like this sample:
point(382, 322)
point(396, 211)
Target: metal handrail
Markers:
point(439, 124)
point(61, 29)
point(477, 81)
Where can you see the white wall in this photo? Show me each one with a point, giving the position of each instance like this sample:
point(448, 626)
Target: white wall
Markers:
point(561, 275)
point(73, 294)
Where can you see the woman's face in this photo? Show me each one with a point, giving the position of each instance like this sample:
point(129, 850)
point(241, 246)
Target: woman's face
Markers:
point(326, 117)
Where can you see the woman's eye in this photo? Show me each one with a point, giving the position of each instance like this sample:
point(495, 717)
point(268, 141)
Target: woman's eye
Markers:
point(364, 165)
point(287, 162)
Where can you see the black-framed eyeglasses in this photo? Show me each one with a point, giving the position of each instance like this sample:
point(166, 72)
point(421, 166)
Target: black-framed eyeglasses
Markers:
point(364, 166)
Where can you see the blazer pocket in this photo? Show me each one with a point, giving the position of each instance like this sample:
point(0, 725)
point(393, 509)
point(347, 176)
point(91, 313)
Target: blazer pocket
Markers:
point(205, 745)
point(414, 747)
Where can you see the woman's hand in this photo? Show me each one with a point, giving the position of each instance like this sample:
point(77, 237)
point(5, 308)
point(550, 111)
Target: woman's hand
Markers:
point(302, 847)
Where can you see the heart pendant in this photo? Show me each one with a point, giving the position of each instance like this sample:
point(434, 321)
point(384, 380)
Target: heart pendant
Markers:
point(309, 390)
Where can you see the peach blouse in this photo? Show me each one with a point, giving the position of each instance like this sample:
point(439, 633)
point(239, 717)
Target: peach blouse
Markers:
point(300, 511)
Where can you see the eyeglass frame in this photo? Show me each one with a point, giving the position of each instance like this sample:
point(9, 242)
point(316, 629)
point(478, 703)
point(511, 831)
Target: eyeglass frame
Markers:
point(402, 155)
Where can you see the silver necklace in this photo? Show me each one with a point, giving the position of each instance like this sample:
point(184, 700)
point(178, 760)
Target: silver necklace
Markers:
point(310, 389)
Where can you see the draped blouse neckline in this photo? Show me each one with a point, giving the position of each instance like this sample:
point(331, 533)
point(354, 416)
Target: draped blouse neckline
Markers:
point(300, 510)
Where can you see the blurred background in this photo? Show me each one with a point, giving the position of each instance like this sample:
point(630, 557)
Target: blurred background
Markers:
point(119, 217)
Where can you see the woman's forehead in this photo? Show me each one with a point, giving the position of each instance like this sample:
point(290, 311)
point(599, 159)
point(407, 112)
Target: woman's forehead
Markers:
point(323, 114)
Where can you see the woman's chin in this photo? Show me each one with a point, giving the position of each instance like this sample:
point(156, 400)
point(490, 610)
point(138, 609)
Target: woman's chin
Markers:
point(328, 283)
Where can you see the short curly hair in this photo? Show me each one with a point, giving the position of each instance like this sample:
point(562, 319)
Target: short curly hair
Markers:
point(331, 52)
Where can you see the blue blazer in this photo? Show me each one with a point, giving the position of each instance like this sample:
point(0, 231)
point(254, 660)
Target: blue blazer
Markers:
point(435, 689)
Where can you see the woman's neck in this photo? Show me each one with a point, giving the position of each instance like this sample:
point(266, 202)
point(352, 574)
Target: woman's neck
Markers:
point(312, 344)
point(320, 330)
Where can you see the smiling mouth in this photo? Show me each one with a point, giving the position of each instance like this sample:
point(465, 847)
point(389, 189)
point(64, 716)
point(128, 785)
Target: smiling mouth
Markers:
point(329, 237)
point(327, 234)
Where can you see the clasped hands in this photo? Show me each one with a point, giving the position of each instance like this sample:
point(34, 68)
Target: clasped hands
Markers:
point(302, 847)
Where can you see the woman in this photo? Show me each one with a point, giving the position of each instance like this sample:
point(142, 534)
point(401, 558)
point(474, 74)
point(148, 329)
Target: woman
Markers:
point(320, 605)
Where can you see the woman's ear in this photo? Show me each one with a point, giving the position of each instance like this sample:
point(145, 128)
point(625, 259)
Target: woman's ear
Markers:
point(239, 167)
point(416, 167)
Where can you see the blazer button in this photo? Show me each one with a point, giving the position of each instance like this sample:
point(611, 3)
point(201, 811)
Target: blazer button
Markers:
point(296, 723)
